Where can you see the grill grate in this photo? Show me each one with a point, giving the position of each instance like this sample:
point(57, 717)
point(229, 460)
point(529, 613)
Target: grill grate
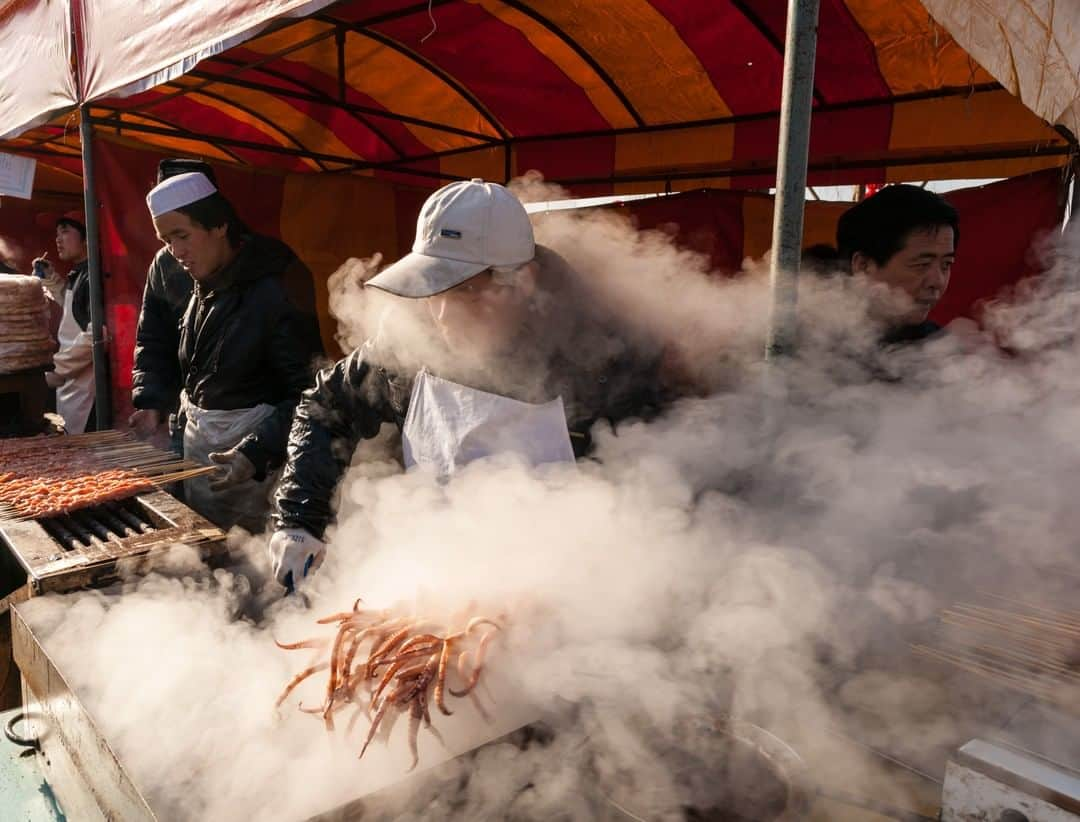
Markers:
point(95, 546)
point(110, 522)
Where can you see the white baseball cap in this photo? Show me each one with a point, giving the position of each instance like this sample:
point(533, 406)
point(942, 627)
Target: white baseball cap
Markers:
point(463, 228)
point(177, 192)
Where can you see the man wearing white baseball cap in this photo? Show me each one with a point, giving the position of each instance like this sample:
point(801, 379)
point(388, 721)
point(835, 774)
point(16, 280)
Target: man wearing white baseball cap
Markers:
point(525, 363)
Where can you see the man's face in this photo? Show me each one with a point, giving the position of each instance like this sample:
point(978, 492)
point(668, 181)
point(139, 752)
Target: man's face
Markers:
point(480, 318)
point(915, 277)
point(201, 251)
point(70, 245)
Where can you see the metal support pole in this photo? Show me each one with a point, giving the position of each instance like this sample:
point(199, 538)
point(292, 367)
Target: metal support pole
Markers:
point(1074, 202)
point(800, 49)
point(339, 39)
point(102, 394)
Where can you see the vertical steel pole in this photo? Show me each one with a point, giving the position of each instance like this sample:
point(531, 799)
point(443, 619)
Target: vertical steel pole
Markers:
point(800, 50)
point(102, 394)
point(1074, 203)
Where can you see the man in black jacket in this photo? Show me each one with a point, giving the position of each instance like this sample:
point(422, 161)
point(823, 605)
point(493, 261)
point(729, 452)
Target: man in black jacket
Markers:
point(156, 378)
point(527, 361)
point(245, 350)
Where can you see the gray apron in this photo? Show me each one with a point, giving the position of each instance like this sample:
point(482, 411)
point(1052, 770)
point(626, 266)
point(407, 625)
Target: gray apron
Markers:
point(246, 504)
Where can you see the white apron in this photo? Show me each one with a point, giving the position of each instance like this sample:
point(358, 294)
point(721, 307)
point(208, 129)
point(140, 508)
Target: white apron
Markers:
point(450, 425)
point(206, 431)
point(75, 396)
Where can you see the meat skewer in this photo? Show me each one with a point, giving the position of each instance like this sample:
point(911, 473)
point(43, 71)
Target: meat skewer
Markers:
point(47, 476)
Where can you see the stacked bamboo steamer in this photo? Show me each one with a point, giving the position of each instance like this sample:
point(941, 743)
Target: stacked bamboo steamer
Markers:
point(25, 343)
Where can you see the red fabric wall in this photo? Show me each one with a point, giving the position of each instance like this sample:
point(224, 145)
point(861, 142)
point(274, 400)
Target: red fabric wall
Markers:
point(999, 224)
point(1002, 225)
point(709, 222)
point(28, 227)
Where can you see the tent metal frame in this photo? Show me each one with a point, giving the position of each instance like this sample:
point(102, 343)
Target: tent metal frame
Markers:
point(801, 99)
point(350, 164)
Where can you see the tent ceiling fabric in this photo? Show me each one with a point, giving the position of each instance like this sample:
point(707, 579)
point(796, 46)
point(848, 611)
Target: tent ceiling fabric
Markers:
point(35, 75)
point(129, 47)
point(1033, 48)
point(603, 95)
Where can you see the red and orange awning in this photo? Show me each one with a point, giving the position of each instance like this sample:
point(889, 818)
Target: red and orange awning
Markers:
point(602, 95)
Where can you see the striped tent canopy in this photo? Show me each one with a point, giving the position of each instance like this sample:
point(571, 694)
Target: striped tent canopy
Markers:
point(603, 96)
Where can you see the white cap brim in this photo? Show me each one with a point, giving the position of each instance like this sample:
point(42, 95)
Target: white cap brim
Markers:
point(418, 275)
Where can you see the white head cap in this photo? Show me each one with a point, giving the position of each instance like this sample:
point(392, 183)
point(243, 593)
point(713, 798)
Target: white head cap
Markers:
point(463, 229)
point(177, 192)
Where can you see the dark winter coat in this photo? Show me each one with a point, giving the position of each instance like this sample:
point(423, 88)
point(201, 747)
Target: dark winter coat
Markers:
point(79, 283)
point(243, 342)
point(351, 401)
point(156, 378)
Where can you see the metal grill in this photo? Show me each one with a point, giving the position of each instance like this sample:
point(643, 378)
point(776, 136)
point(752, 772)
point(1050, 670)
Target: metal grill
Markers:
point(112, 521)
point(89, 545)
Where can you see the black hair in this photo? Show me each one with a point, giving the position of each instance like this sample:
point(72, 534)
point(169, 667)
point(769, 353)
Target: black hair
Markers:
point(73, 224)
point(821, 259)
point(215, 211)
point(183, 165)
point(880, 225)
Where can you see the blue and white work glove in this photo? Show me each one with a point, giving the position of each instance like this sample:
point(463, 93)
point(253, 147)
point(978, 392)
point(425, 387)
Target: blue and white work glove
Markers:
point(294, 553)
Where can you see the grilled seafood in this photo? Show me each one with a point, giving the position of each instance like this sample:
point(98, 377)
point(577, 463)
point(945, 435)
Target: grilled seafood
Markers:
point(405, 668)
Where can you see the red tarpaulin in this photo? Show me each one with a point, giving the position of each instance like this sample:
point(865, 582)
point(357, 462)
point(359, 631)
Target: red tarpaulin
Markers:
point(328, 219)
point(999, 224)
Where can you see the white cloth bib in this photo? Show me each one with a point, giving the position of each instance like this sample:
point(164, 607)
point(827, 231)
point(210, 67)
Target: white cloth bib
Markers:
point(450, 425)
point(75, 397)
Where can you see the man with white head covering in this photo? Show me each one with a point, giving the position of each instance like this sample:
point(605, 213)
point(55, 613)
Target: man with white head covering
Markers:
point(156, 384)
point(527, 361)
point(245, 349)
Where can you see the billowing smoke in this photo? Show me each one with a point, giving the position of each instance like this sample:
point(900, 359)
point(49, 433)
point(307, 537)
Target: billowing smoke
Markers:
point(767, 550)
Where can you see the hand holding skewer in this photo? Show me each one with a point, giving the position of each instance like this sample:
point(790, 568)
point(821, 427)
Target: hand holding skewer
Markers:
point(236, 469)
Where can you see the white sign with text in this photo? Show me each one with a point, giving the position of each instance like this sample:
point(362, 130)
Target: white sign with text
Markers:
point(16, 176)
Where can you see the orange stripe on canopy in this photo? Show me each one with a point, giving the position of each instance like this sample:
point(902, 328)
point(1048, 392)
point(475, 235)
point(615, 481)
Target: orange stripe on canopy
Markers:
point(914, 53)
point(652, 153)
point(398, 83)
point(611, 32)
point(562, 55)
point(277, 119)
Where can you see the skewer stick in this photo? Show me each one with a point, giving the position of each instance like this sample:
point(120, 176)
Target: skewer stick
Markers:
point(183, 475)
point(1033, 621)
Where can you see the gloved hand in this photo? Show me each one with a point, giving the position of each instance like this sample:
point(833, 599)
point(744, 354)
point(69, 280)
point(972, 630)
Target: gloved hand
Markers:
point(145, 422)
point(238, 469)
point(294, 553)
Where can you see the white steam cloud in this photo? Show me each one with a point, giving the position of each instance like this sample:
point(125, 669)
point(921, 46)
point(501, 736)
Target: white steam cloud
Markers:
point(739, 555)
